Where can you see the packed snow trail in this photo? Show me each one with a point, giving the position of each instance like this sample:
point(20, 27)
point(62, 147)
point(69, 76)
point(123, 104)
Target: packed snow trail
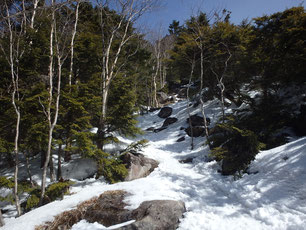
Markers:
point(274, 197)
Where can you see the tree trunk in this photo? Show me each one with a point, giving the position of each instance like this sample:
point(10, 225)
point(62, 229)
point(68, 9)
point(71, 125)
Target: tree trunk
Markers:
point(220, 80)
point(188, 100)
point(67, 156)
point(28, 168)
point(42, 158)
point(102, 123)
point(17, 111)
point(1, 219)
point(201, 98)
point(35, 4)
point(51, 166)
point(17, 202)
point(72, 43)
point(48, 112)
point(155, 102)
point(59, 163)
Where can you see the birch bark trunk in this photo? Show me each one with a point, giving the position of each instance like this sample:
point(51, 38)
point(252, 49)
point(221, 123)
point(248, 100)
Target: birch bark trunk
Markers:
point(188, 101)
point(48, 112)
point(72, 42)
point(35, 4)
point(128, 14)
point(15, 81)
point(201, 96)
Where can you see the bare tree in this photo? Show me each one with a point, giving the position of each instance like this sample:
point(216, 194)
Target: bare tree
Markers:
point(220, 78)
point(200, 33)
point(188, 54)
point(188, 99)
point(51, 121)
point(129, 11)
point(156, 69)
point(167, 43)
point(72, 41)
point(15, 53)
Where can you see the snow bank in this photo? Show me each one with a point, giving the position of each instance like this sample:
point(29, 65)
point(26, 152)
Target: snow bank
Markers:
point(272, 197)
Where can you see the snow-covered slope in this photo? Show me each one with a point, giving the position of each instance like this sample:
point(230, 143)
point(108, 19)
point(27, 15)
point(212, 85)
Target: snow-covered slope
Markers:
point(273, 196)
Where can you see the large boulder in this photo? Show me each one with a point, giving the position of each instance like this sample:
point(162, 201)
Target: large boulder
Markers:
point(108, 209)
point(165, 112)
point(169, 121)
point(197, 131)
point(162, 97)
point(157, 215)
point(138, 165)
point(198, 120)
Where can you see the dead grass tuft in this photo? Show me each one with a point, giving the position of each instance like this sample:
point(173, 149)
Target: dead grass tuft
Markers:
point(67, 219)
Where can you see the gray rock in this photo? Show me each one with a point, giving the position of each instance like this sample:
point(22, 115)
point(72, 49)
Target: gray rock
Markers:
point(153, 109)
point(162, 97)
point(108, 209)
point(157, 215)
point(180, 139)
point(197, 131)
point(151, 129)
point(182, 93)
point(138, 165)
point(169, 121)
point(165, 112)
point(198, 120)
point(159, 129)
point(187, 160)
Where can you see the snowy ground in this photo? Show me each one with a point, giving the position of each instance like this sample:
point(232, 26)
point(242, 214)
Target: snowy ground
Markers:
point(272, 197)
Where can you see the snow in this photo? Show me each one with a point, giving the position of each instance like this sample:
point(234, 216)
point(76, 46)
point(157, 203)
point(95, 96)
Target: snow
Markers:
point(83, 224)
point(272, 196)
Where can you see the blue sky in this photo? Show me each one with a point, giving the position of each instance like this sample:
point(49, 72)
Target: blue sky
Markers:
point(182, 9)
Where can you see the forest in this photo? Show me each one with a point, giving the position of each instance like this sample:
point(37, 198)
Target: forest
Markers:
point(74, 74)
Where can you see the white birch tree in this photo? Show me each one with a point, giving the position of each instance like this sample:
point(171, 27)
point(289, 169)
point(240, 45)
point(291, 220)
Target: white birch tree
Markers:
point(128, 11)
point(51, 120)
point(13, 56)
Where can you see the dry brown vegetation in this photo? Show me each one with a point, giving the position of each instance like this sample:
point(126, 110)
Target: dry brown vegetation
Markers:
point(67, 219)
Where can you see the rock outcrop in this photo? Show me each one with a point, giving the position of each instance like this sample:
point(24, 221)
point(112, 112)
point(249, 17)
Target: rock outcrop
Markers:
point(138, 165)
point(180, 139)
point(162, 97)
point(165, 112)
point(108, 209)
point(169, 121)
point(197, 131)
point(198, 120)
point(159, 129)
point(157, 215)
